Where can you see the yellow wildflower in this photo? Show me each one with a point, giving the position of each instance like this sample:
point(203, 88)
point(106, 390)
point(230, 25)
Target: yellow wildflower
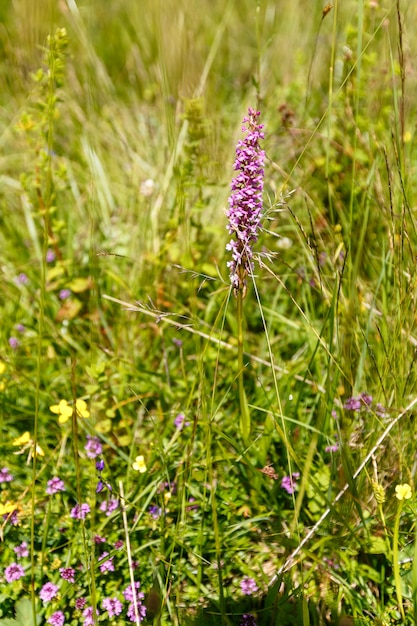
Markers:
point(403, 492)
point(27, 443)
point(64, 410)
point(9, 507)
point(139, 464)
point(81, 407)
point(22, 440)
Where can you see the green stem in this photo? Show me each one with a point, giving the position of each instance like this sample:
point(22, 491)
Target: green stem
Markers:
point(396, 561)
point(244, 409)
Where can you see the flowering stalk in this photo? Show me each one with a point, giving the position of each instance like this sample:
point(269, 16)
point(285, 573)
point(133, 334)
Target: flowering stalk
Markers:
point(402, 492)
point(244, 215)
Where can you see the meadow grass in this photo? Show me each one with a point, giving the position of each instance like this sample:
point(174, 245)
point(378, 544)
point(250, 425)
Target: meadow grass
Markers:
point(171, 453)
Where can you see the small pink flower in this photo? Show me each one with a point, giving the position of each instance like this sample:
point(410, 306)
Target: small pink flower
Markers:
point(80, 511)
point(48, 592)
point(248, 586)
point(13, 572)
point(22, 550)
point(67, 573)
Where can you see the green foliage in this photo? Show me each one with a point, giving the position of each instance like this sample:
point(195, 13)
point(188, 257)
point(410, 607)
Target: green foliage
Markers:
point(24, 615)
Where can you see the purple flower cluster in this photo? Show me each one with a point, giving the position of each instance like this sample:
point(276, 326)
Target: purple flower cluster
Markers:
point(248, 586)
point(180, 422)
point(5, 476)
point(108, 506)
point(141, 612)
point(55, 485)
point(21, 550)
point(12, 518)
point(247, 620)
point(67, 573)
point(107, 565)
point(80, 511)
point(155, 511)
point(88, 615)
point(245, 202)
point(113, 606)
point(48, 592)
point(93, 447)
point(363, 401)
point(288, 482)
point(13, 572)
point(128, 595)
point(57, 619)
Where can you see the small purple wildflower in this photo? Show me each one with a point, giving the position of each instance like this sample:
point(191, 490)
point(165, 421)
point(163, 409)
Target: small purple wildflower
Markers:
point(13, 572)
point(14, 343)
point(64, 294)
point(5, 476)
point(20, 328)
point(22, 279)
point(12, 518)
point(67, 573)
point(192, 507)
point(245, 202)
point(100, 465)
point(179, 421)
point(50, 256)
point(352, 404)
point(248, 620)
point(107, 566)
point(177, 342)
point(22, 550)
point(128, 592)
point(288, 482)
point(141, 612)
point(366, 399)
point(332, 448)
point(98, 539)
point(48, 592)
point(108, 506)
point(93, 447)
point(119, 544)
point(248, 586)
point(55, 485)
point(155, 511)
point(380, 410)
point(356, 404)
point(56, 619)
point(113, 606)
point(80, 511)
point(89, 616)
point(80, 603)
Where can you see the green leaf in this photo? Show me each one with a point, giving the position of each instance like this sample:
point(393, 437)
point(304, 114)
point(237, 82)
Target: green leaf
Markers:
point(24, 613)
